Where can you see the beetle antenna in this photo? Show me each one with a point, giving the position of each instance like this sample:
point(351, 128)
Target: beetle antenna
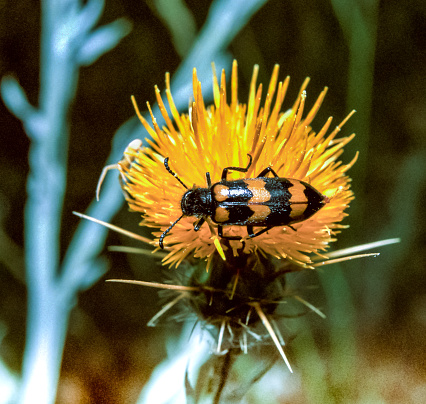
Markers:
point(160, 241)
point(166, 164)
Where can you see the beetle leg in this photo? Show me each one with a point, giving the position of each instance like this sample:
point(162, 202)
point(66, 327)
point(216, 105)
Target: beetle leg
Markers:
point(220, 234)
point(250, 230)
point(241, 169)
point(252, 235)
point(198, 224)
point(266, 171)
point(209, 181)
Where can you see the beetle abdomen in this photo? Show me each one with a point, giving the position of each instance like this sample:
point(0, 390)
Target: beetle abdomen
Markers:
point(264, 201)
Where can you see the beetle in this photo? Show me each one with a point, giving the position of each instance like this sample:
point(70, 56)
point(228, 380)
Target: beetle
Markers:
point(261, 201)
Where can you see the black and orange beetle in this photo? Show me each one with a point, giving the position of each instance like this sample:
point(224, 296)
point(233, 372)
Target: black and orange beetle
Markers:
point(262, 201)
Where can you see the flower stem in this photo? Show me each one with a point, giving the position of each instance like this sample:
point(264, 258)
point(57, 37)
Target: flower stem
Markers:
point(228, 361)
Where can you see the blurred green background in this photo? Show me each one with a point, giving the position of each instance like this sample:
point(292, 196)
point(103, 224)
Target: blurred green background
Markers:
point(372, 56)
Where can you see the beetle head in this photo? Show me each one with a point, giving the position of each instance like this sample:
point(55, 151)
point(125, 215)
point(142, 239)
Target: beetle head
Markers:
point(196, 202)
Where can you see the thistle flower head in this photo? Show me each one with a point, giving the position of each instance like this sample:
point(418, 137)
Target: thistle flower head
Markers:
point(208, 139)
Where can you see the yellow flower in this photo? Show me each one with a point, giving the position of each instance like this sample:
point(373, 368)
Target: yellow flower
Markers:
point(222, 135)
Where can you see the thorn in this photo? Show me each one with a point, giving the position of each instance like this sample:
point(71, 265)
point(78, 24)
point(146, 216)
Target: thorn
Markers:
point(271, 332)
